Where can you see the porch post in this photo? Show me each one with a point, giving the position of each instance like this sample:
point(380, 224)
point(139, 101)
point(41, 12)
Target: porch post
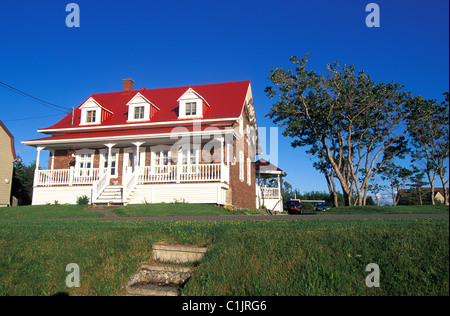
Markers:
point(36, 170)
point(52, 151)
point(222, 165)
point(279, 189)
point(38, 156)
point(138, 155)
point(138, 159)
point(110, 146)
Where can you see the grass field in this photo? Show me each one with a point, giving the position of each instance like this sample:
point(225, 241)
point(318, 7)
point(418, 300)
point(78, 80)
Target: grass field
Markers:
point(46, 212)
point(186, 209)
point(315, 257)
point(400, 209)
point(141, 210)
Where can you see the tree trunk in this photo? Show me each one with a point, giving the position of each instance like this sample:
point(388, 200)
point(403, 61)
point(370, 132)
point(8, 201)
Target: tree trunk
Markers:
point(444, 186)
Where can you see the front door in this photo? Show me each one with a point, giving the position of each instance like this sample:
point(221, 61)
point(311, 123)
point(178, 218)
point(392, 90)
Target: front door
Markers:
point(130, 161)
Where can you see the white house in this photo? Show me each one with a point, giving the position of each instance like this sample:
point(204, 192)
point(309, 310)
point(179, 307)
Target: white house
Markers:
point(195, 144)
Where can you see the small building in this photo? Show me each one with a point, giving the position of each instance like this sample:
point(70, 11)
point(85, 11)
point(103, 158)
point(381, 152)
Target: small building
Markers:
point(269, 180)
point(7, 158)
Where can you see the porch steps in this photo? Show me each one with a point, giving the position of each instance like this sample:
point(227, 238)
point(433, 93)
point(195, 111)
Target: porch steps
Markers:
point(112, 194)
point(167, 277)
point(158, 280)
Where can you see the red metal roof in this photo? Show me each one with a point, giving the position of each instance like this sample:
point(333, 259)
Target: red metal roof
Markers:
point(225, 99)
point(263, 166)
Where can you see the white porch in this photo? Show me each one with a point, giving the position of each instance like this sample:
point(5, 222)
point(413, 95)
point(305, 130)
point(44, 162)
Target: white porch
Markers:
point(269, 186)
point(125, 166)
point(170, 183)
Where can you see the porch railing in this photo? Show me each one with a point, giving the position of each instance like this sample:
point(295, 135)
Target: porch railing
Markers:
point(270, 193)
point(184, 173)
point(99, 185)
point(72, 176)
point(215, 172)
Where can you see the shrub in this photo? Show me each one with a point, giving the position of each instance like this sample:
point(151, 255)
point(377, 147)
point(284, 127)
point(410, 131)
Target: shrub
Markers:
point(82, 200)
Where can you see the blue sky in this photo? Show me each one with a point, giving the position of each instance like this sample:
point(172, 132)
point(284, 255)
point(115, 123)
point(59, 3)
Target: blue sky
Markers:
point(174, 43)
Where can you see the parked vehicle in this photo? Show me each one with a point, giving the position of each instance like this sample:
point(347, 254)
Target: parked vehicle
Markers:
point(321, 207)
point(293, 207)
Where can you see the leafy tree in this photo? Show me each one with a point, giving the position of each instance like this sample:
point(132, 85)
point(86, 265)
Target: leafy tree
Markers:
point(347, 121)
point(417, 183)
point(376, 188)
point(397, 176)
point(22, 183)
point(429, 135)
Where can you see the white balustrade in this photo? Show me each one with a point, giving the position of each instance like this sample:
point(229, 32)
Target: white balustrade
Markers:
point(214, 172)
point(270, 193)
point(61, 177)
point(180, 173)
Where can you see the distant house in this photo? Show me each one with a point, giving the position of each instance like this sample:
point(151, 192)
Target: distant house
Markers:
point(413, 196)
point(194, 144)
point(7, 157)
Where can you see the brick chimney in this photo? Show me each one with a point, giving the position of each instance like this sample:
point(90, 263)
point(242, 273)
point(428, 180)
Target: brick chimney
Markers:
point(128, 84)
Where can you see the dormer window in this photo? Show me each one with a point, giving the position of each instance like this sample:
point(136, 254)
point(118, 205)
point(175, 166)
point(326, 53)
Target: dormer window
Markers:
point(92, 112)
point(191, 108)
point(90, 116)
point(140, 109)
point(191, 105)
point(139, 112)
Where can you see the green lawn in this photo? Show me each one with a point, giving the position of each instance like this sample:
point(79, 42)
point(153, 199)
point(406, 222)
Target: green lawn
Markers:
point(400, 209)
point(172, 209)
point(46, 212)
point(140, 210)
point(316, 257)
point(186, 209)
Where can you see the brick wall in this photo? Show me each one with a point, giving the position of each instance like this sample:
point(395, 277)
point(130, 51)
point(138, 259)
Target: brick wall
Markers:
point(242, 194)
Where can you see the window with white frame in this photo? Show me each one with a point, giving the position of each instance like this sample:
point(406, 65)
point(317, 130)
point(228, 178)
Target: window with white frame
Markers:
point(241, 166)
point(139, 108)
point(228, 153)
point(189, 160)
point(249, 171)
point(104, 157)
point(90, 116)
point(90, 112)
point(190, 105)
point(241, 125)
point(139, 112)
point(191, 108)
point(84, 163)
point(161, 159)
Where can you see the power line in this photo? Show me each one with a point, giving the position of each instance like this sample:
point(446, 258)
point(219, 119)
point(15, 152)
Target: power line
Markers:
point(45, 103)
point(31, 118)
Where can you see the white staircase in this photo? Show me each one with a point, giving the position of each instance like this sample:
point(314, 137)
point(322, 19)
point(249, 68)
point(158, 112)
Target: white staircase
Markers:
point(112, 194)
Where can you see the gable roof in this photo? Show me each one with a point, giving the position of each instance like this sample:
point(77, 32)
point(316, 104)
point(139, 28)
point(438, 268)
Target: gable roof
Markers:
point(262, 166)
point(226, 100)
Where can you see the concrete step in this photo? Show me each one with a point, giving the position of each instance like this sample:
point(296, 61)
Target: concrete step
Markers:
point(152, 290)
point(178, 253)
point(158, 280)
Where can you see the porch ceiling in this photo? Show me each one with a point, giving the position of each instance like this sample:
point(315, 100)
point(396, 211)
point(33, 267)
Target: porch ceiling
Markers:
point(124, 138)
